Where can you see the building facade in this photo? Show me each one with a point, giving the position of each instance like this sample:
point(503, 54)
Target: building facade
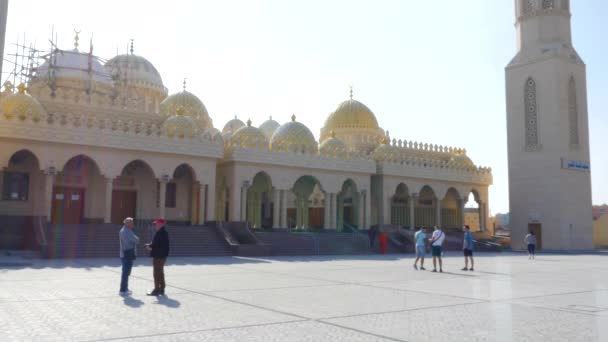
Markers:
point(89, 142)
point(547, 126)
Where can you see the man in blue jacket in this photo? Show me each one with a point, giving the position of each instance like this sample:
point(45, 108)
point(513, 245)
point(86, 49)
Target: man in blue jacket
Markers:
point(159, 251)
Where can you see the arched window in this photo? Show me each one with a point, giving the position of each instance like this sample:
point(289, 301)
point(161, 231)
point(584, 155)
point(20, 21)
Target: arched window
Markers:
point(531, 114)
point(527, 6)
point(548, 4)
point(573, 113)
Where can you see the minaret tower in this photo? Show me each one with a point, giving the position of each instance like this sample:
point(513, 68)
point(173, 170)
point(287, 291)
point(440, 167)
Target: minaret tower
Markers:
point(3, 18)
point(547, 130)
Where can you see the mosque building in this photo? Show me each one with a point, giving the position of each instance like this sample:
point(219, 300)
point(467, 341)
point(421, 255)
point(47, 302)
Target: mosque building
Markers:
point(85, 141)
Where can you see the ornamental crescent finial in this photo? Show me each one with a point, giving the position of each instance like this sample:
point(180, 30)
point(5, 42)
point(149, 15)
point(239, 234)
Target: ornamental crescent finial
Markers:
point(293, 117)
point(77, 32)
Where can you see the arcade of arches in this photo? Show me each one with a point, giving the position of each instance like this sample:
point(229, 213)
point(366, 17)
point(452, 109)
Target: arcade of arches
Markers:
point(79, 192)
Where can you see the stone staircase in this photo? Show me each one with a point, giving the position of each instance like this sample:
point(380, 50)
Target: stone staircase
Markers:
point(101, 240)
point(284, 242)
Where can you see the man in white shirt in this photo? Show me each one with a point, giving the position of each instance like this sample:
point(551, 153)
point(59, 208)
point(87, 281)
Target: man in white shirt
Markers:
point(436, 242)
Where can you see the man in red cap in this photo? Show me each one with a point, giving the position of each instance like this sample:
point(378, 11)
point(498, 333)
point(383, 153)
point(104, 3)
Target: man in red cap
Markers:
point(159, 251)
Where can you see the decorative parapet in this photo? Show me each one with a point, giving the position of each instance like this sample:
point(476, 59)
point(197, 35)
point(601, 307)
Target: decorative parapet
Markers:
point(297, 156)
point(114, 132)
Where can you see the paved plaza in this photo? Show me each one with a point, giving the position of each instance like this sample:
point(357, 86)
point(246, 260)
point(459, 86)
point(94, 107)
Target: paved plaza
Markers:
point(330, 298)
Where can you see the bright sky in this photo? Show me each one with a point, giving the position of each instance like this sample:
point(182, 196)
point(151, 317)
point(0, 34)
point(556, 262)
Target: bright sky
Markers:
point(431, 71)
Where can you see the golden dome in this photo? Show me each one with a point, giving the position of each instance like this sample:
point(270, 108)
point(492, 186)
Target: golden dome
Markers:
point(135, 70)
point(293, 133)
point(351, 114)
point(248, 135)
point(269, 127)
point(185, 103)
point(21, 106)
point(180, 126)
point(386, 152)
point(333, 146)
point(232, 125)
point(460, 159)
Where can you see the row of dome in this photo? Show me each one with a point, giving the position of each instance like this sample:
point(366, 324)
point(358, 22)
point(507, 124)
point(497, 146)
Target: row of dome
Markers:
point(352, 126)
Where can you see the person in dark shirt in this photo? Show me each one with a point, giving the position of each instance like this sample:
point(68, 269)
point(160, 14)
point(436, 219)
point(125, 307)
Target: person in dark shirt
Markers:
point(159, 251)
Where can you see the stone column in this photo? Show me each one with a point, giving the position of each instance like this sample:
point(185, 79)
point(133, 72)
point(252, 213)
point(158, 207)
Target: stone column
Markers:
point(211, 197)
point(193, 203)
point(462, 204)
point(326, 211)
point(305, 213)
point(161, 197)
point(107, 216)
point(412, 203)
point(360, 210)
point(386, 216)
point(234, 203)
point(333, 214)
point(48, 194)
point(201, 204)
point(243, 203)
point(340, 213)
point(368, 209)
point(482, 216)
point(438, 214)
point(276, 205)
point(283, 200)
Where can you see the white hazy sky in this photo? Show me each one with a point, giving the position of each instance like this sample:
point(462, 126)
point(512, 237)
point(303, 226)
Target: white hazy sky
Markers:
point(431, 71)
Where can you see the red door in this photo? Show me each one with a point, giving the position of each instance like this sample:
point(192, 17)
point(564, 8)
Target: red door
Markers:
point(123, 205)
point(68, 205)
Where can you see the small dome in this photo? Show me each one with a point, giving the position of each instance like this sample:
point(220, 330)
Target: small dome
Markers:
point(248, 135)
point(21, 106)
point(294, 133)
point(269, 127)
point(135, 70)
point(386, 152)
point(232, 125)
point(460, 159)
point(185, 103)
point(180, 126)
point(74, 65)
point(333, 147)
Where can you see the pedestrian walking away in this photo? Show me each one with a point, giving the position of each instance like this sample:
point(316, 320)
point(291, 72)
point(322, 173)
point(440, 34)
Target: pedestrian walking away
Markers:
point(420, 238)
point(436, 241)
point(467, 247)
point(128, 247)
point(159, 251)
point(530, 240)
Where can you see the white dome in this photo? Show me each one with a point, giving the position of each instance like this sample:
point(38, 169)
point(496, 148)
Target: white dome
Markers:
point(74, 65)
point(269, 127)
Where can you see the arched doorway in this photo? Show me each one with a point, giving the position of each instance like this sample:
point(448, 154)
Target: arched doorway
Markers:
point(400, 214)
point(259, 201)
point(425, 212)
point(74, 193)
point(348, 206)
point(180, 195)
point(23, 198)
point(450, 210)
point(134, 193)
point(472, 212)
point(299, 204)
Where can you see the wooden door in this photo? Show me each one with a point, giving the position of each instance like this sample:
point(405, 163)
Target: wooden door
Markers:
point(68, 205)
point(316, 217)
point(124, 204)
point(536, 229)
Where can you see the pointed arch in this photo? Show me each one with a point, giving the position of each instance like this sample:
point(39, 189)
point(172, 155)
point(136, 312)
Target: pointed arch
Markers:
point(573, 113)
point(548, 4)
point(531, 115)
